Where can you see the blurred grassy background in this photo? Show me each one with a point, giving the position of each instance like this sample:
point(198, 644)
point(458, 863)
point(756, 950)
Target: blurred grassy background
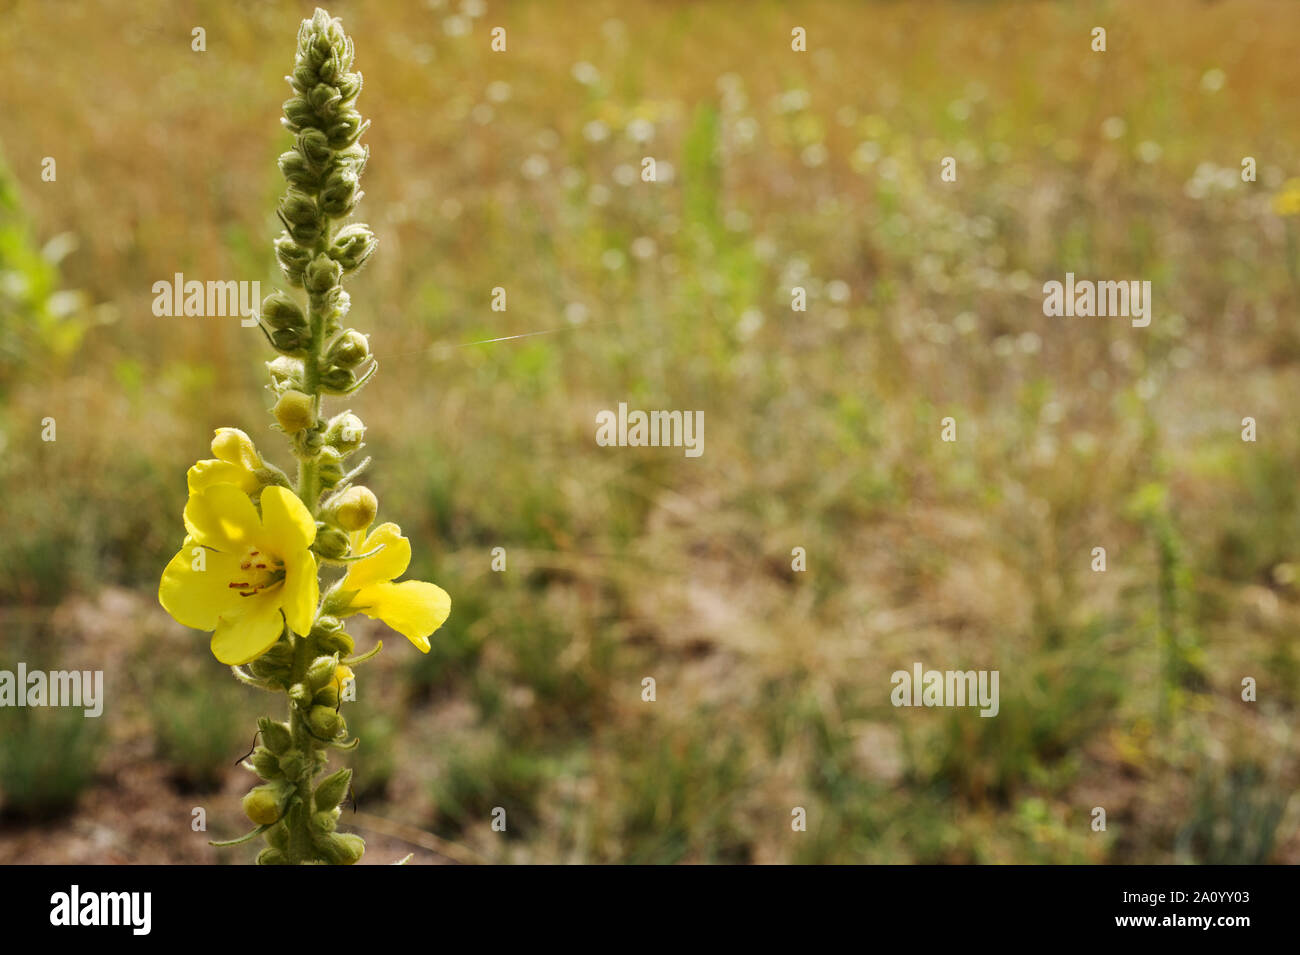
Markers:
point(521, 170)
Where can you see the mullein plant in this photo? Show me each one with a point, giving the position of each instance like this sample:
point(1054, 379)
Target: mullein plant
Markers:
point(274, 566)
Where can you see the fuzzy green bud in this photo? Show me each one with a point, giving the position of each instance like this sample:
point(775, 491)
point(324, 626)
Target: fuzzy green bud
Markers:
point(349, 349)
point(325, 821)
point(285, 373)
point(337, 380)
point(329, 466)
point(293, 342)
point(295, 411)
point(280, 311)
point(340, 193)
point(321, 672)
point(341, 848)
point(330, 543)
point(353, 246)
point(322, 274)
point(330, 636)
point(314, 146)
point(276, 736)
point(355, 508)
point(345, 432)
point(265, 763)
point(272, 856)
point(292, 257)
point(265, 804)
point(325, 722)
point(332, 789)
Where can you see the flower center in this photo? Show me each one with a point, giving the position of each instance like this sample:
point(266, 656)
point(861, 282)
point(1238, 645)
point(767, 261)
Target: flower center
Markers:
point(259, 572)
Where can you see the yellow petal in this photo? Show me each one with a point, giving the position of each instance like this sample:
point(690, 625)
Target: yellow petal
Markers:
point(390, 562)
point(413, 608)
point(289, 525)
point(209, 472)
point(197, 598)
point(235, 447)
point(251, 632)
point(222, 516)
point(301, 589)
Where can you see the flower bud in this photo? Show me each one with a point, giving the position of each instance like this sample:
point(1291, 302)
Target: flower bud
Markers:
point(325, 821)
point(349, 128)
point(264, 804)
point(330, 636)
point(277, 837)
point(293, 342)
point(349, 349)
point(331, 543)
point(314, 146)
point(331, 790)
point(322, 274)
point(276, 736)
point(285, 373)
point(355, 508)
point(299, 113)
point(292, 257)
point(327, 696)
point(353, 246)
point(341, 848)
point(345, 432)
point(349, 86)
point(265, 763)
point(324, 99)
point(329, 467)
point(295, 411)
point(272, 856)
point(325, 722)
point(340, 194)
point(300, 693)
point(337, 381)
point(280, 311)
point(321, 672)
point(298, 209)
point(297, 172)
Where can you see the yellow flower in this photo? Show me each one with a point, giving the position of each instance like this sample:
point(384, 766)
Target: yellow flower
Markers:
point(413, 608)
point(1287, 202)
point(237, 573)
point(236, 460)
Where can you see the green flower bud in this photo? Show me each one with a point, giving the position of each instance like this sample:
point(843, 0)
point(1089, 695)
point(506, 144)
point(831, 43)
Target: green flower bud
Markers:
point(272, 856)
point(264, 804)
point(331, 790)
point(292, 257)
point(349, 349)
point(325, 821)
point(295, 411)
point(299, 114)
point(353, 246)
point(300, 693)
point(265, 763)
point(285, 373)
point(341, 848)
point(327, 696)
point(321, 672)
point(345, 432)
point(314, 146)
point(322, 274)
point(280, 311)
point(276, 736)
point(277, 837)
point(325, 722)
point(330, 636)
point(349, 86)
point(293, 342)
point(331, 543)
point(355, 508)
point(294, 766)
point(329, 467)
point(348, 129)
point(340, 193)
point(299, 209)
point(337, 381)
point(334, 306)
point(324, 99)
